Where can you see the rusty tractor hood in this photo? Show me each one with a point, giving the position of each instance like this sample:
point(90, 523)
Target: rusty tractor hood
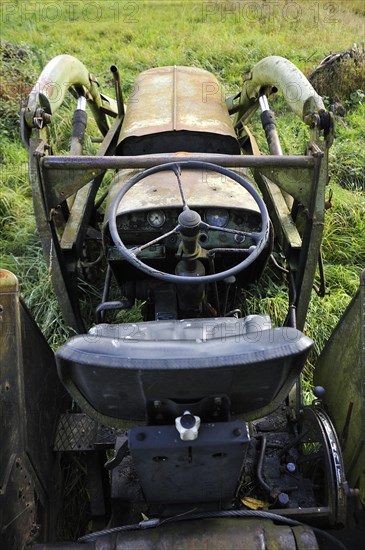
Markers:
point(183, 108)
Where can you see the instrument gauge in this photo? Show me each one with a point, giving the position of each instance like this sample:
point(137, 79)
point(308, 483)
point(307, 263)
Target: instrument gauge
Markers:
point(219, 217)
point(156, 218)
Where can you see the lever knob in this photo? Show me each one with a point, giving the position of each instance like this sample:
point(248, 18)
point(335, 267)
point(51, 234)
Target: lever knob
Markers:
point(188, 426)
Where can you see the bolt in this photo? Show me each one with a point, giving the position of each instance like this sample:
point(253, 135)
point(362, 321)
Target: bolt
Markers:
point(283, 499)
point(319, 392)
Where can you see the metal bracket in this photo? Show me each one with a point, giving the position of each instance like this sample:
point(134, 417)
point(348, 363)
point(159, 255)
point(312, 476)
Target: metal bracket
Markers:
point(168, 467)
point(120, 453)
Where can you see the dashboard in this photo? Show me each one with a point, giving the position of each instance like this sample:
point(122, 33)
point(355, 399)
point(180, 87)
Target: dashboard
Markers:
point(141, 226)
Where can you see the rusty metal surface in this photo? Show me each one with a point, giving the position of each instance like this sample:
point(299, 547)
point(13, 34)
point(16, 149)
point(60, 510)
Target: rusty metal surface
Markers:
point(76, 225)
point(340, 369)
point(30, 398)
point(201, 188)
point(295, 182)
point(301, 241)
point(146, 161)
point(212, 534)
point(304, 538)
point(286, 231)
point(207, 534)
point(64, 175)
point(64, 288)
point(174, 98)
point(8, 283)
point(63, 282)
point(313, 218)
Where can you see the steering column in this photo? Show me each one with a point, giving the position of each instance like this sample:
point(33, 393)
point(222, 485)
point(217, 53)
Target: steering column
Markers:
point(190, 297)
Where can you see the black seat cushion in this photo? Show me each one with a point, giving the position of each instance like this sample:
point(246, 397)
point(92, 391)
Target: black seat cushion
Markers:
point(119, 369)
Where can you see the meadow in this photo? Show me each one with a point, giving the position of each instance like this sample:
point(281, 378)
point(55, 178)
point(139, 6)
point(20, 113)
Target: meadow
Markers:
point(224, 37)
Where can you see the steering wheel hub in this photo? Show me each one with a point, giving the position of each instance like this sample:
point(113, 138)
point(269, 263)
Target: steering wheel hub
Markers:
point(189, 219)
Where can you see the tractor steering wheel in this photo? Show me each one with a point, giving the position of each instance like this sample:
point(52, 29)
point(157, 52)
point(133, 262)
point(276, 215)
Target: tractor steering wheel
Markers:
point(190, 223)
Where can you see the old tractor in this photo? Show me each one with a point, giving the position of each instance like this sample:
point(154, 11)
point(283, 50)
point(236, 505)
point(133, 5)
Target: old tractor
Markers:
point(187, 427)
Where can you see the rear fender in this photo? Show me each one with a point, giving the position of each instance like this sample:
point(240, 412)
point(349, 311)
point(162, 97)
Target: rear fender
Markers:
point(340, 369)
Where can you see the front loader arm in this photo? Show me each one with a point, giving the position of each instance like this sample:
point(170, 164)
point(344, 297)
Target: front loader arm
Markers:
point(71, 215)
point(304, 216)
point(60, 74)
point(275, 72)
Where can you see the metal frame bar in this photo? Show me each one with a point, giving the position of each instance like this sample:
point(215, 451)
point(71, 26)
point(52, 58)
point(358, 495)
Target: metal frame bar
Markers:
point(148, 161)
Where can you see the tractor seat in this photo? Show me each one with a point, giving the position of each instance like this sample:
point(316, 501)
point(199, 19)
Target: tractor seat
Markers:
point(117, 371)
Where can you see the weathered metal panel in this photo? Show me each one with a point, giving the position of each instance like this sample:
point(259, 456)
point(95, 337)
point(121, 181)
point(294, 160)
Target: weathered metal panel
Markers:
point(182, 108)
point(173, 481)
point(65, 289)
point(285, 229)
point(207, 534)
point(295, 181)
point(201, 188)
point(76, 225)
point(169, 99)
point(340, 369)
point(312, 232)
point(66, 163)
point(30, 398)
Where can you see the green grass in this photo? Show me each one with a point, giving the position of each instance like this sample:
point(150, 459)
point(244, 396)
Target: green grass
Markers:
point(347, 155)
point(223, 37)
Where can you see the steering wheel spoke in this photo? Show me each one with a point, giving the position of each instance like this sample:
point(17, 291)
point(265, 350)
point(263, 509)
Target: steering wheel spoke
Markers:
point(222, 250)
point(253, 235)
point(177, 171)
point(134, 251)
point(157, 239)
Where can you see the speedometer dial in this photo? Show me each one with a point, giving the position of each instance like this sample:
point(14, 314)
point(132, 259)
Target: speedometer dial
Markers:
point(156, 218)
point(217, 216)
